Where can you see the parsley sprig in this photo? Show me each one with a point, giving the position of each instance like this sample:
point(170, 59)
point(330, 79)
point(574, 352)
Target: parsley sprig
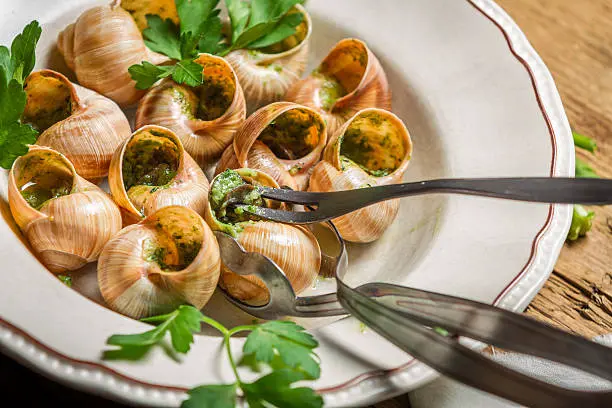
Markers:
point(15, 65)
point(255, 24)
point(282, 348)
point(199, 31)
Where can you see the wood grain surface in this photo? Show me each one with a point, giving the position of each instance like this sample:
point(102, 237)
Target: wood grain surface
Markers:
point(574, 38)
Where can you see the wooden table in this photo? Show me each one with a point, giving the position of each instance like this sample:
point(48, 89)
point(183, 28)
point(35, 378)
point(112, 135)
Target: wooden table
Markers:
point(574, 38)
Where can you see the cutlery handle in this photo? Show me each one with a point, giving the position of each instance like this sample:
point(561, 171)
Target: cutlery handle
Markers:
point(554, 190)
point(447, 356)
point(535, 189)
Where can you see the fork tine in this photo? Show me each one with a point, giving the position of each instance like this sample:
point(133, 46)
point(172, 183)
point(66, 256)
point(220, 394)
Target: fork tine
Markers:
point(291, 196)
point(287, 217)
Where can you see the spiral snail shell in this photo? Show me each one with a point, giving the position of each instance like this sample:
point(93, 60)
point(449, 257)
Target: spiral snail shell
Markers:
point(105, 41)
point(204, 118)
point(267, 74)
point(372, 148)
point(283, 139)
point(293, 248)
point(151, 170)
point(349, 79)
point(169, 258)
point(84, 126)
point(66, 219)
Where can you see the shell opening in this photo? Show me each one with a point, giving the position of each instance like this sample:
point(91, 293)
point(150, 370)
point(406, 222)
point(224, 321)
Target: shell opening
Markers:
point(42, 175)
point(178, 241)
point(234, 187)
point(213, 98)
point(139, 9)
point(150, 162)
point(49, 100)
point(218, 90)
point(293, 134)
point(372, 142)
point(341, 72)
point(301, 31)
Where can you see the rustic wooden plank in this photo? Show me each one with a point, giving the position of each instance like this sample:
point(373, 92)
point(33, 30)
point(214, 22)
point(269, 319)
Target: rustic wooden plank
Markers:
point(574, 38)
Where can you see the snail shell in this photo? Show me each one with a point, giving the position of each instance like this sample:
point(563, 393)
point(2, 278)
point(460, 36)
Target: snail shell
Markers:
point(151, 170)
point(104, 42)
point(349, 79)
point(66, 219)
point(81, 124)
point(204, 118)
point(293, 248)
point(169, 258)
point(267, 74)
point(283, 139)
point(372, 148)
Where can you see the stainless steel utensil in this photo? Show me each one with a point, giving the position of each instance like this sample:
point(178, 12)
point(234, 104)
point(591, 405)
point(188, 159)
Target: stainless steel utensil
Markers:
point(405, 316)
point(429, 325)
point(334, 204)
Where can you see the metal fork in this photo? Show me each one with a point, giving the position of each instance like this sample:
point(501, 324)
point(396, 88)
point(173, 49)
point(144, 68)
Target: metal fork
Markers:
point(334, 204)
point(405, 316)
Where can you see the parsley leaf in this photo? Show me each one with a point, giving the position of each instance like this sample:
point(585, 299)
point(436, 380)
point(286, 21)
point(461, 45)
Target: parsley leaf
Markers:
point(239, 12)
point(285, 28)
point(183, 72)
point(199, 31)
point(181, 324)
point(187, 72)
point(218, 396)
point(275, 390)
point(212, 41)
point(283, 345)
point(12, 101)
point(23, 56)
point(265, 11)
point(15, 66)
point(162, 36)
point(289, 341)
point(5, 64)
point(14, 141)
point(147, 74)
point(193, 12)
point(262, 22)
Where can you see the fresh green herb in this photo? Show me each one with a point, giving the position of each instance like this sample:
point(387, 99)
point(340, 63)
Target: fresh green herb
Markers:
point(584, 142)
point(285, 348)
point(15, 66)
point(582, 219)
point(66, 280)
point(255, 25)
point(261, 23)
point(162, 36)
point(19, 62)
point(181, 324)
point(199, 31)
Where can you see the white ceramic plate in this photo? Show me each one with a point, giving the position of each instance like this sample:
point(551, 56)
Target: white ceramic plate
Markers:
point(478, 102)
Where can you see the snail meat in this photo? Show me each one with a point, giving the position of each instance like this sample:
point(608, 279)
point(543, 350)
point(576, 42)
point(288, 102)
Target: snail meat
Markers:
point(294, 248)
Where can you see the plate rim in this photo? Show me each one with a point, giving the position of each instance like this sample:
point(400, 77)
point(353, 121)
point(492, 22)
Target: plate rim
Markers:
point(373, 386)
